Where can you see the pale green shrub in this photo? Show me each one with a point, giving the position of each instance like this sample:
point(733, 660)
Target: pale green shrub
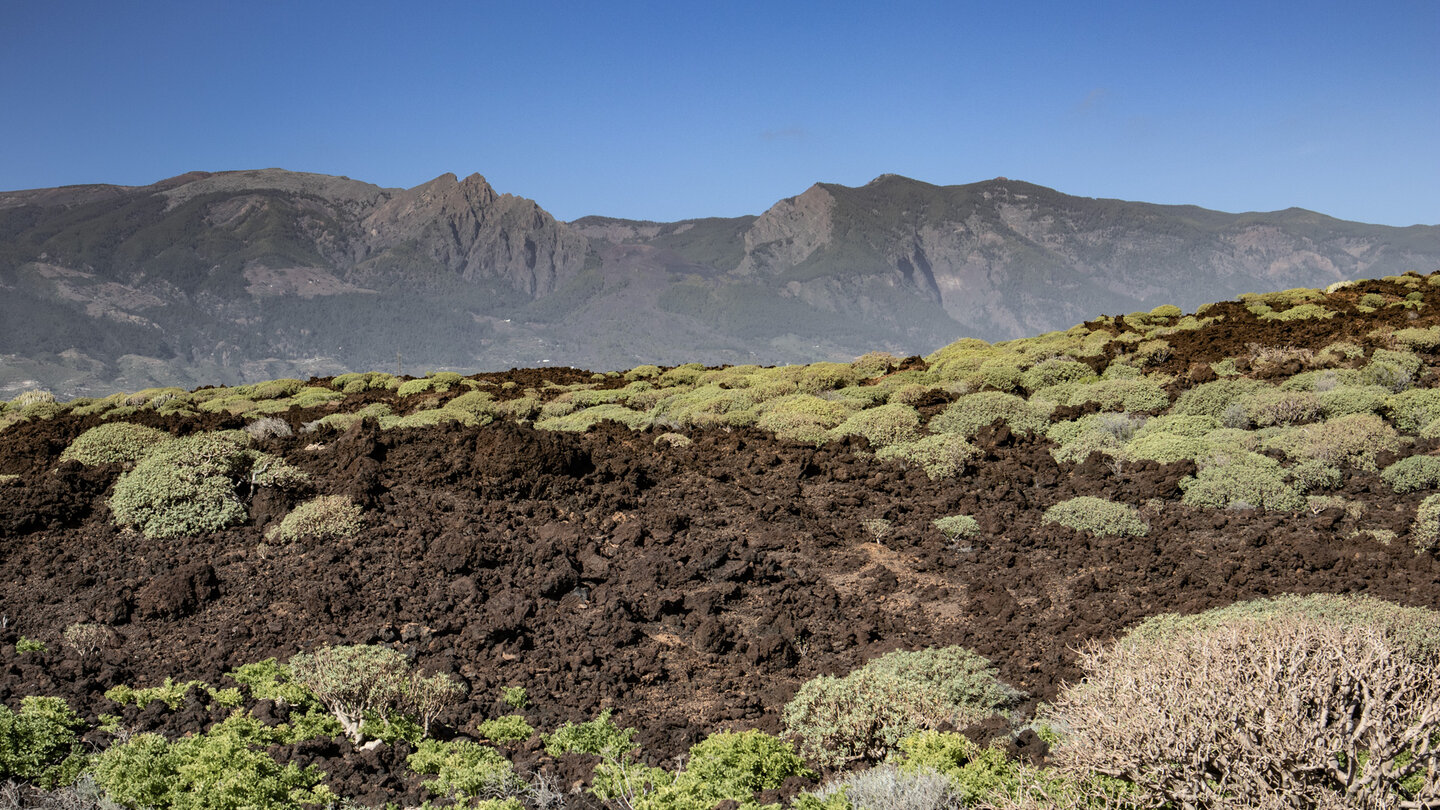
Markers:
point(510, 728)
point(1414, 410)
point(276, 389)
point(1393, 370)
point(1346, 400)
point(957, 526)
point(326, 517)
point(1054, 372)
point(1412, 474)
point(1213, 398)
point(583, 420)
point(1272, 406)
point(599, 737)
point(874, 364)
point(1417, 339)
point(866, 713)
point(1425, 532)
point(184, 487)
point(1353, 440)
point(966, 415)
point(1240, 480)
point(114, 443)
point(269, 427)
point(1097, 516)
point(681, 375)
point(885, 425)
point(39, 743)
point(645, 372)
point(465, 771)
point(942, 455)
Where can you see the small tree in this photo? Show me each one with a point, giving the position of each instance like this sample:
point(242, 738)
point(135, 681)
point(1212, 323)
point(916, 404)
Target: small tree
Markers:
point(426, 697)
point(353, 680)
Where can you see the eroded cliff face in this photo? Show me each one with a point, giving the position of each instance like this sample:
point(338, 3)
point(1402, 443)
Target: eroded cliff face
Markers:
point(789, 233)
point(466, 227)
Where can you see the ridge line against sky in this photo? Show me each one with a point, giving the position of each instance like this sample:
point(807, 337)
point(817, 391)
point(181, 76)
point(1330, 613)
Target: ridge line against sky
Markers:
point(667, 111)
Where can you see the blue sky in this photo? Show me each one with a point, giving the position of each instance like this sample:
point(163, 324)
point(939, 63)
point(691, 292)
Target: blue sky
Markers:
point(668, 110)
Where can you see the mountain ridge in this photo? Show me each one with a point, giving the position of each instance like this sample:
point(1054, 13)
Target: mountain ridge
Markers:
point(246, 274)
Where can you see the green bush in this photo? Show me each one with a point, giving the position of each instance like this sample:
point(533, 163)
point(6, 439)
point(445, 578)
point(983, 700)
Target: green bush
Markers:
point(866, 713)
point(736, 766)
point(1412, 474)
point(351, 681)
point(1348, 399)
point(943, 455)
point(966, 415)
point(957, 526)
point(1417, 339)
point(359, 382)
point(583, 420)
point(1353, 440)
point(1271, 406)
point(600, 737)
point(885, 425)
point(1136, 395)
point(1243, 479)
point(225, 768)
point(1416, 409)
point(515, 697)
point(272, 680)
point(28, 645)
point(184, 487)
point(1054, 372)
point(510, 728)
point(1097, 516)
point(1390, 369)
point(465, 770)
point(39, 744)
point(326, 517)
point(114, 443)
point(1214, 398)
point(1426, 530)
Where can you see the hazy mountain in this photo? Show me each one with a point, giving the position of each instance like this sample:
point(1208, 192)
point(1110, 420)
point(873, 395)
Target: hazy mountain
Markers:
point(233, 276)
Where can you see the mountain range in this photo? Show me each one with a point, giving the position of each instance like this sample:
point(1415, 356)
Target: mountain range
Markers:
point(236, 276)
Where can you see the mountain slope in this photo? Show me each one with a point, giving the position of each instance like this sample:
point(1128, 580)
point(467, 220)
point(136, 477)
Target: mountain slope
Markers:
point(235, 276)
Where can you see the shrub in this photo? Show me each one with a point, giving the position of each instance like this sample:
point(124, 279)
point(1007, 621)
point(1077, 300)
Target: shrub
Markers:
point(1053, 372)
point(86, 638)
point(874, 364)
point(599, 737)
point(885, 425)
point(1393, 370)
point(39, 743)
point(326, 517)
point(1213, 398)
point(957, 526)
point(510, 728)
point(272, 680)
point(184, 487)
point(887, 787)
point(1417, 339)
point(465, 770)
point(1097, 516)
point(269, 427)
point(34, 396)
point(350, 681)
point(1255, 702)
point(966, 415)
point(358, 382)
point(1426, 529)
point(1412, 474)
point(1353, 440)
point(1140, 395)
point(28, 645)
point(1416, 409)
point(865, 714)
point(515, 697)
point(974, 774)
point(583, 420)
point(223, 769)
point(802, 417)
point(940, 456)
point(1272, 406)
point(1242, 479)
point(1347, 399)
point(114, 443)
point(646, 372)
point(736, 766)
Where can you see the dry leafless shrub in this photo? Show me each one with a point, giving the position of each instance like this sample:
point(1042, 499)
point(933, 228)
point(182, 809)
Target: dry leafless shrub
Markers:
point(1287, 711)
point(86, 639)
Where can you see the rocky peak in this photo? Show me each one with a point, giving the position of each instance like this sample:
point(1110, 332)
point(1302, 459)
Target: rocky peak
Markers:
point(790, 231)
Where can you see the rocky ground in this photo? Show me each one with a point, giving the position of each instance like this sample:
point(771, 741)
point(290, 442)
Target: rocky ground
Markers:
point(691, 589)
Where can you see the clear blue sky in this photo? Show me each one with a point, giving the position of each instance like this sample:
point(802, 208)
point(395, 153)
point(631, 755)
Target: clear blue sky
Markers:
point(668, 110)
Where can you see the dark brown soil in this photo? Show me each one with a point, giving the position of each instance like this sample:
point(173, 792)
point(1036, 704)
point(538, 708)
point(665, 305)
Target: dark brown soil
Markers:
point(691, 589)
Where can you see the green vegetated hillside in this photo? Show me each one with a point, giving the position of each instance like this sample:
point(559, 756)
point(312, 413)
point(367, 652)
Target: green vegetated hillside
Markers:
point(1271, 402)
point(242, 276)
